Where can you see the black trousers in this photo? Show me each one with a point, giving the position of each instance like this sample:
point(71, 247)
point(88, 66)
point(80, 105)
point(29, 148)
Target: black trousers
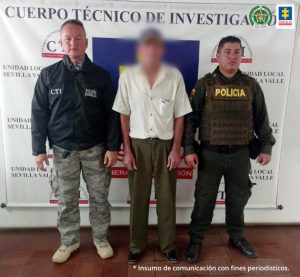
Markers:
point(212, 167)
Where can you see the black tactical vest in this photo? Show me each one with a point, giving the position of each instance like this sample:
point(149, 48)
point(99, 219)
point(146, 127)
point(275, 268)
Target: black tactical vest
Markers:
point(227, 114)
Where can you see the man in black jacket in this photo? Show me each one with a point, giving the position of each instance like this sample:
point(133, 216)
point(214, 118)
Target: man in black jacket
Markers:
point(72, 108)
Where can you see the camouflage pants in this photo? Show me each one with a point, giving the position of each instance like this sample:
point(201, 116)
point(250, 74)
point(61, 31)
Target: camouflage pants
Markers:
point(65, 184)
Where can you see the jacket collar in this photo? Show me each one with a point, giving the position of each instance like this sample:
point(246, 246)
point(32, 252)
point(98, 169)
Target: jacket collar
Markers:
point(87, 64)
point(224, 79)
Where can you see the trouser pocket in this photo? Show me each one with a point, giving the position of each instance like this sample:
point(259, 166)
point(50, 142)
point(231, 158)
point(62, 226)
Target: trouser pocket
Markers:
point(250, 186)
point(53, 180)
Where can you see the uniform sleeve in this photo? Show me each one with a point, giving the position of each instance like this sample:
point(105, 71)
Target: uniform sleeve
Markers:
point(181, 105)
point(113, 126)
point(40, 115)
point(261, 120)
point(121, 104)
point(192, 119)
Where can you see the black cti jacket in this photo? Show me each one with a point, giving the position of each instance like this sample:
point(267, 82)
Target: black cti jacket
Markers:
point(73, 109)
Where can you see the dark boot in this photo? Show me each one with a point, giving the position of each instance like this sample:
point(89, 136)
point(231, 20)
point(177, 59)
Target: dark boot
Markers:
point(243, 246)
point(133, 257)
point(171, 256)
point(192, 252)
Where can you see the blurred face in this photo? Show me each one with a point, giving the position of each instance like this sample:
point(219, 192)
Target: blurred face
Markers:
point(150, 53)
point(229, 57)
point(73, 41)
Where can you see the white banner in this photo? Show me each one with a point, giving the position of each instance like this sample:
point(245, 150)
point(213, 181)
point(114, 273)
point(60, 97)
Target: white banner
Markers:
point(30, 41)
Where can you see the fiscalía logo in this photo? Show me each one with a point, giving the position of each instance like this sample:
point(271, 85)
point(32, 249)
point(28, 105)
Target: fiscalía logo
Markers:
point(260, 16)
point(51, 47)
point(285, 16)
point(246, 52)
point(90, 93)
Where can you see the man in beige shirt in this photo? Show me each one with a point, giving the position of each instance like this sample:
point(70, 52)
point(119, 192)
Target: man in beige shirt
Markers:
point(152, 102)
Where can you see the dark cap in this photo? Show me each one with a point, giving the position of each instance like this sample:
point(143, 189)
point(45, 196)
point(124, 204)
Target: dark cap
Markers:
point(150, 34)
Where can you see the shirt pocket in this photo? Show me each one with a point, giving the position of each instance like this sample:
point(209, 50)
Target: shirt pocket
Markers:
point(166, 107)
point(53, 180)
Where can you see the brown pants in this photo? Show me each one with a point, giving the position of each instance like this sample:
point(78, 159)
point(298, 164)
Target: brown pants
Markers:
point(151, 159)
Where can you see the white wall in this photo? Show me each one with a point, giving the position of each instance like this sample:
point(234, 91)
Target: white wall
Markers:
point(289, 183)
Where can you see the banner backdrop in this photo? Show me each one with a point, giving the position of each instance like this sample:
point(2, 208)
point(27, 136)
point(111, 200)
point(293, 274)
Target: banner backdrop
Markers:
point(30, 41)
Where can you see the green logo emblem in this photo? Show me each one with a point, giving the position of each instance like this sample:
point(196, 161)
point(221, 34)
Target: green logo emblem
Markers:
point(260, 16)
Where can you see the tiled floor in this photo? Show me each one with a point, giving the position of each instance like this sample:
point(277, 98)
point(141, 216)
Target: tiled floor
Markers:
point(28, 253)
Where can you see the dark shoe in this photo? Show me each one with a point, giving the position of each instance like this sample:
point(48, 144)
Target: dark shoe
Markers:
point(192, 253)
point(171, 256)
point(133, 257)
point(243, 246)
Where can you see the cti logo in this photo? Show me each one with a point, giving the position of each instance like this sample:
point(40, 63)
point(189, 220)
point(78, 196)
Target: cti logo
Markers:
point(56, 91)
point(51, 46)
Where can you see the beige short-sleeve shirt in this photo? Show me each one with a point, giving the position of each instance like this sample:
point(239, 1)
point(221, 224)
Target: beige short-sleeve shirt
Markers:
point(152, 110)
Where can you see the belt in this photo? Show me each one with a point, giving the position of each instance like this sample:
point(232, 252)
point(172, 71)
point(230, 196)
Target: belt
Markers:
point(151, 138)
point(223, 149)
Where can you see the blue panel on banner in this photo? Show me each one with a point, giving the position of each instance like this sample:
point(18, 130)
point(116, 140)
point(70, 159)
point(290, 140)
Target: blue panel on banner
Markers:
point(112, 54)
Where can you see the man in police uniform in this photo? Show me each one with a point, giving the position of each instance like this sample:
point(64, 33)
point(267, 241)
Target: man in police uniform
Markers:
point(72, 107)
point(229, 111)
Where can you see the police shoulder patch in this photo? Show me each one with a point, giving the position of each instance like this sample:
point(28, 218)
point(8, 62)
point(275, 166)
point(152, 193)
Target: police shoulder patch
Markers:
point(245, 75)
point(248, 78)
point(208, 76)
point(196, 87)
point(193, 92)
point(209, 79)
